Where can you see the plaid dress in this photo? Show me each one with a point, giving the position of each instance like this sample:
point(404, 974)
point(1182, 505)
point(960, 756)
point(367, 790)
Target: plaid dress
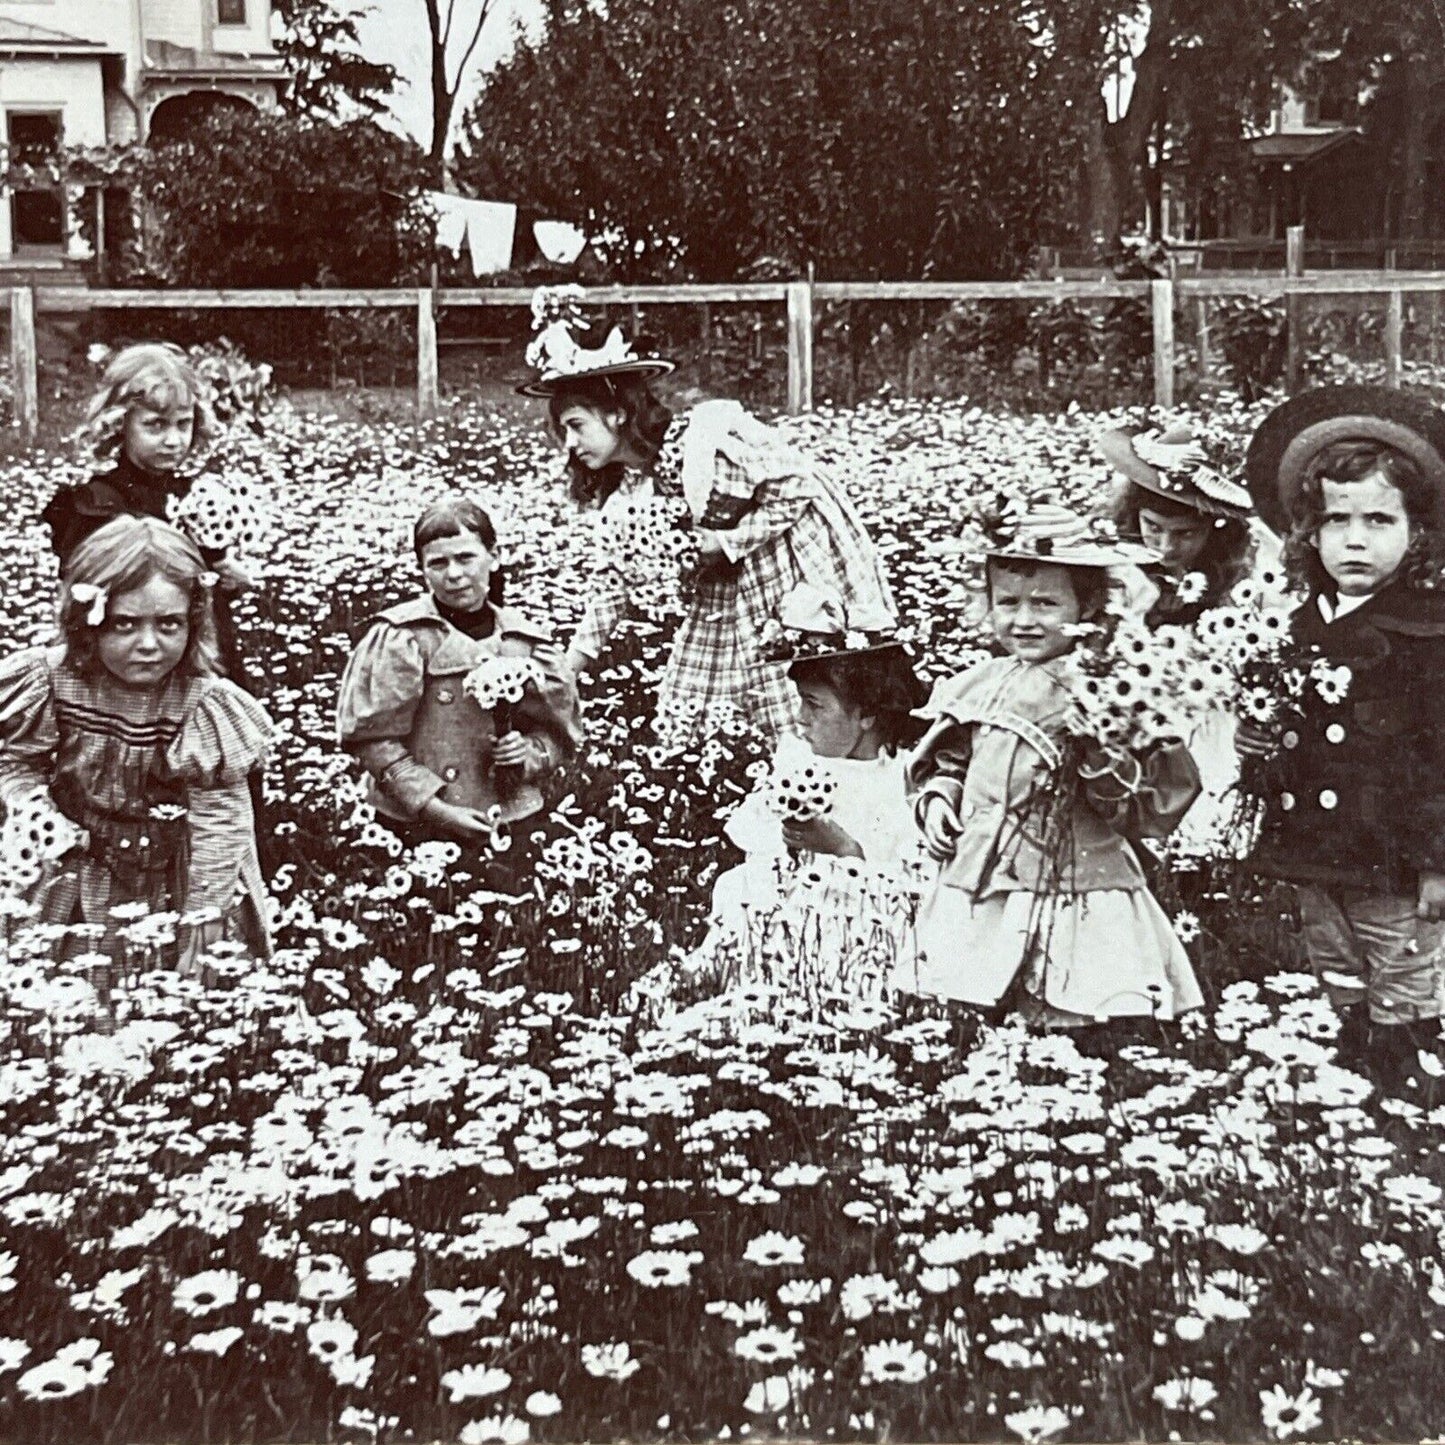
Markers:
point(157, 779)
point(781, 521)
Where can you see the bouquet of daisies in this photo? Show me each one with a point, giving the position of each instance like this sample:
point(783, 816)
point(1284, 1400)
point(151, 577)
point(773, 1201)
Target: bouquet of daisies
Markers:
point(1132, 688)
point(651, 543)
point(35, 833)
point(220, 516)
point(799, 789)
point(496, 685)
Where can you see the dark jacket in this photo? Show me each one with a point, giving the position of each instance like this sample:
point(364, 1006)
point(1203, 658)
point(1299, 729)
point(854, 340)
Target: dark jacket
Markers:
point(1356, 793)
point(73, 513)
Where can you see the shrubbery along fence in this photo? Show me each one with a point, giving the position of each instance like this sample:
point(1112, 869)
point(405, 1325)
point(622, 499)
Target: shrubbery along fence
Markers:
point(1165, 300)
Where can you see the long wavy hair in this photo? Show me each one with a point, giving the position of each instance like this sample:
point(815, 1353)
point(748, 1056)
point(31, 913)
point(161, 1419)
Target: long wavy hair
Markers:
point(1226, 555)
point(645, 420)
point(453, 516)
point(881, 685)
point(1353, 461)
point(125, 555)
point(153, 374)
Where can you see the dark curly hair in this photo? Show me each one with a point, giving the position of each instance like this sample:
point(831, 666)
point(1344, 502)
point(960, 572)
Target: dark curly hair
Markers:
point(881, 685)
point(1353, 461)
point(645, 420)
point(1226, 556)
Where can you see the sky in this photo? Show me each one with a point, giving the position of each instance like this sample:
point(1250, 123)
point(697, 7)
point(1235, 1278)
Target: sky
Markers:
point(395, 32)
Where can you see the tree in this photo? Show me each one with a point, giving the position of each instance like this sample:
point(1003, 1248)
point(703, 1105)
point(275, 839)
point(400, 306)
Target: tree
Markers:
point(873, 138)
point(273, 200)
point(328, 74)
point(1207, 69)
point(446, 83)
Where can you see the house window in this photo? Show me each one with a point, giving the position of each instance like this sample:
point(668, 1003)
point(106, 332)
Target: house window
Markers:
point(230, 12)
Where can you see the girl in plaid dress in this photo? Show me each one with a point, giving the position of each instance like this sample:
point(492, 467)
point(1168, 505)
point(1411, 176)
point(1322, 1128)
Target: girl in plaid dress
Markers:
point(127, 732)
point(765, 517)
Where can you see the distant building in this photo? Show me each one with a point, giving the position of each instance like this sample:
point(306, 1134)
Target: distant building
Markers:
point(106, 72)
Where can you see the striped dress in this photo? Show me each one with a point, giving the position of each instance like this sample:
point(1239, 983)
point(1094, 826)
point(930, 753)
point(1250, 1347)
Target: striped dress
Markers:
point(157, 779)
point(781, 521)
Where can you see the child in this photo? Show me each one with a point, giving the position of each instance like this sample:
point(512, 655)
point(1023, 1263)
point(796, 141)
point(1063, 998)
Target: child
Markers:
point(823, 903)
point(1038, 885)
point(128, 730)
point(148, 418)
point(765, 518)
point(439, 764)
point(1354, 781)
point(1196, 520)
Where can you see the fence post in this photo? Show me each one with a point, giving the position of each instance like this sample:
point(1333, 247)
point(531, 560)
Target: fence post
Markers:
point(800, 347)
point(1394, 329)
point(1201, 337)
point(1294, 315)
point(426, 353)
point(1161, 303)
point(22, 363)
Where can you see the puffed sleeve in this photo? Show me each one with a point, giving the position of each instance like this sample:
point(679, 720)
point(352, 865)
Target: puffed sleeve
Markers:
point(28, 733)
point(1144, 795)
point(937, 769)
point(776, 505)
point(226, 735)
point(380, 693)
point(550, 716)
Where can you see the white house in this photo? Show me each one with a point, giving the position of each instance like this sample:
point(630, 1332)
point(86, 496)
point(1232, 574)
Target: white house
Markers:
point(103, 72)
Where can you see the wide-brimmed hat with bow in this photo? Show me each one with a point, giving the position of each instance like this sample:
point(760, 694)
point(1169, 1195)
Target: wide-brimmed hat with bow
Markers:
point(813, 623)
point(562, 362)
point(1293, 435)
point(1172, 464)
point(1050, 533)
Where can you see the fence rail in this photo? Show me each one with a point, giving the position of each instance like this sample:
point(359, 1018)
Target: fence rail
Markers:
point(799, 298)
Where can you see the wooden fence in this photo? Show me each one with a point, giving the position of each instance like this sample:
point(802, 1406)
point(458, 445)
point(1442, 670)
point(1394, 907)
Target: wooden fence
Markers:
point(1163, 297)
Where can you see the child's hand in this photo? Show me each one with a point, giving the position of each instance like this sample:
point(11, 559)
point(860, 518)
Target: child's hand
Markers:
point(468, 825)
point(1254, 740)
point(709, 544)
point(233, 576)
point(510, 751)
point(820, 835)
point(940, 826)
point(1432, 897)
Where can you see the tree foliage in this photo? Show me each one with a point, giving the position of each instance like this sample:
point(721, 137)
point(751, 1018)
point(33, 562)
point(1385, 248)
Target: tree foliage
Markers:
point(711, 138)
point(328, 74)
point(273, 200)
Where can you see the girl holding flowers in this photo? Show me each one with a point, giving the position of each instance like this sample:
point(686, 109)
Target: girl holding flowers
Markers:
point(822, 901)
point(125, 751)
point(453, 703)
point(1039, 892)
point(762, 517)
point(147, 421)
point(1202, 526)
point(1351, 768)
point(1197, 521)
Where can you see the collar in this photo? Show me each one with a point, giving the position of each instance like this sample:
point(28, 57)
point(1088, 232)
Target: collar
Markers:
point(1334, 609)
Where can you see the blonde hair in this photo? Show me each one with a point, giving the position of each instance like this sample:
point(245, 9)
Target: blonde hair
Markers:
point(121, 556)
point(153, 374)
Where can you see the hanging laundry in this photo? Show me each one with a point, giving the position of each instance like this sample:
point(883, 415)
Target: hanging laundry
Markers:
point(559, 241)
point(488, 228)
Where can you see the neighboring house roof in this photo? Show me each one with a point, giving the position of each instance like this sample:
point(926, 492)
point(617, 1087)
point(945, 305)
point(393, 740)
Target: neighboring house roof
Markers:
point(18, 37)
point(1300, 148)
point(168, 62)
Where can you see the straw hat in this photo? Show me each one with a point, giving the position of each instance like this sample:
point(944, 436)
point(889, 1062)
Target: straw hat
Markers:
point(1172, 465)
point(813, 623)
point(561, 361)
point(1054, 534)
point(1293, 435)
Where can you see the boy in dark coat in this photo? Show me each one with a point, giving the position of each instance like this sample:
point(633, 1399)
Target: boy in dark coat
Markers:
point(1354, 781)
